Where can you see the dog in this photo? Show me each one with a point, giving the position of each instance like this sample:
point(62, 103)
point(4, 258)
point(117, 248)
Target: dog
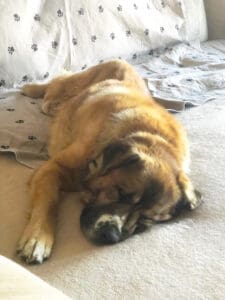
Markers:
point(110, 141)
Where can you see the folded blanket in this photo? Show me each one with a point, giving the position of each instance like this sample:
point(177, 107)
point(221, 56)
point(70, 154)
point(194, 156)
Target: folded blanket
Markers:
point(23, 128)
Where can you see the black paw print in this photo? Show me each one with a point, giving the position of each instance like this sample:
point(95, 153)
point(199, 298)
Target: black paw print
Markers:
point(177, 27)
point(171, 85)
point(34, 47)
point(84, 67)
point(54, 44)
point(146, 31)
point(31, 137)
point(11, 50)
point(37, 18)
point(134, 56)
point(189, 79)
point(59, 13)
point(151, 52)
point(162, 29)
point(135, 6)
point(100, 9)
point(2, 82)
point(19, 121)
point(101, 61)
point(93, 38)
point(16, 17)
point(163, 3)
point(46, 75)
point(4, 147)
point(74, 41)
point(128, 33)
point(119, 7)
point(10, 109)
point(81, 11)
point(25, 78)
point(112, 35)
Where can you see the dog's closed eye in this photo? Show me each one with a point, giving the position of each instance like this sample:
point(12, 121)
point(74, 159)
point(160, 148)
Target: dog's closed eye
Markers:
point(124, 196)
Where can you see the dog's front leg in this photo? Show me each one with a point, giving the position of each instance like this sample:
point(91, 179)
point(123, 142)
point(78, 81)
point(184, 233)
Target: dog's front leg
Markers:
point(37, 239)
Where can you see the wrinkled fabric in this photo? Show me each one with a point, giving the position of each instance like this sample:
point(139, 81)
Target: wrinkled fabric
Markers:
point(186, 75)
point(40, 38)
point(23, 128)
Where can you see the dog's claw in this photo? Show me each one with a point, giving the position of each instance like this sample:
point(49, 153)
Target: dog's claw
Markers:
point(34, 248)
point(196, 201)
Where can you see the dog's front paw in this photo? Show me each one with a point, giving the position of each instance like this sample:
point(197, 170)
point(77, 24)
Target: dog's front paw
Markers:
point(35, 245)
point(194, 199)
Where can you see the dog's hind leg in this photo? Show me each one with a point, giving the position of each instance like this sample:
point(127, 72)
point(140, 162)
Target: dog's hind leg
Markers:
point(67, 86)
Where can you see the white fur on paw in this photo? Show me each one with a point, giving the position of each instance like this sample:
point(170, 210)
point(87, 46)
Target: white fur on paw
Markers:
point(194, 199)
point(35, 249)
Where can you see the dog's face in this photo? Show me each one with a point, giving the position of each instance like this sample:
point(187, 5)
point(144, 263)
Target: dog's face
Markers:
point(132, 189)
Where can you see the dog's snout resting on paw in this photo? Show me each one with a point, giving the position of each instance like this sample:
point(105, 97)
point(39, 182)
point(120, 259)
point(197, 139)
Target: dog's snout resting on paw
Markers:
point(115, 222)
point(113, 143)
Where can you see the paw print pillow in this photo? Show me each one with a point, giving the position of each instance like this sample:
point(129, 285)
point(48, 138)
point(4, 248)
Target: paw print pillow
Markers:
point(37, 41)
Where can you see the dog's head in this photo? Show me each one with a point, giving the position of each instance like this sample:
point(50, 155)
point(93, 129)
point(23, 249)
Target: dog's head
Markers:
point(135, 182)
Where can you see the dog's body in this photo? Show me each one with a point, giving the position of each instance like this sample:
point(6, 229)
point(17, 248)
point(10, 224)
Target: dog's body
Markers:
point(110, 140)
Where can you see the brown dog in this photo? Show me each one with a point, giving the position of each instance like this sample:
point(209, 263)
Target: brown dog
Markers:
point(110, 140)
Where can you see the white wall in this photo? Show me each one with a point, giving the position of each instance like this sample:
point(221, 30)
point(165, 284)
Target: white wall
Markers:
point(215, 11)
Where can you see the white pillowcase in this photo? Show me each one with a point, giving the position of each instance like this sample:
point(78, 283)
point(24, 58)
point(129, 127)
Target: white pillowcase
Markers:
point(40, 38)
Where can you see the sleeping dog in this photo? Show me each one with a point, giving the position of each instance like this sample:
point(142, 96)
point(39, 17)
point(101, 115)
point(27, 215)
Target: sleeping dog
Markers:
point(113, 143)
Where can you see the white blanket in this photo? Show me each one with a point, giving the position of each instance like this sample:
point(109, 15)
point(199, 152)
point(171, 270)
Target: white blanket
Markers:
point(187, 74)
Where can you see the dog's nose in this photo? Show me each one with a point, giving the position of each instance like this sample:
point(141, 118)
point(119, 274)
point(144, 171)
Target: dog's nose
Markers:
point(108, 234)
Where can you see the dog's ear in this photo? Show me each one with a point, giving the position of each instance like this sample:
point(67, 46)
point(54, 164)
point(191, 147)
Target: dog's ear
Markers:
point(119, 154)
point(152, 193)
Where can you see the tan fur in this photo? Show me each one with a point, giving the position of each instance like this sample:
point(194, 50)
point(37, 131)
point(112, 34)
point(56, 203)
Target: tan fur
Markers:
point(99, 108)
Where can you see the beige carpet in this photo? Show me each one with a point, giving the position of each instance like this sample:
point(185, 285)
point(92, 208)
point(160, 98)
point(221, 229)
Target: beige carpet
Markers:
point(183, 259)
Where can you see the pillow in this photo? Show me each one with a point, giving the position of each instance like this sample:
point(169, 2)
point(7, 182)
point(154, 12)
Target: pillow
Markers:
point(41, 38)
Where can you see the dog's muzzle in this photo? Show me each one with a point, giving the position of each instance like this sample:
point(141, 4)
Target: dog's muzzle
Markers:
point(108, 224)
